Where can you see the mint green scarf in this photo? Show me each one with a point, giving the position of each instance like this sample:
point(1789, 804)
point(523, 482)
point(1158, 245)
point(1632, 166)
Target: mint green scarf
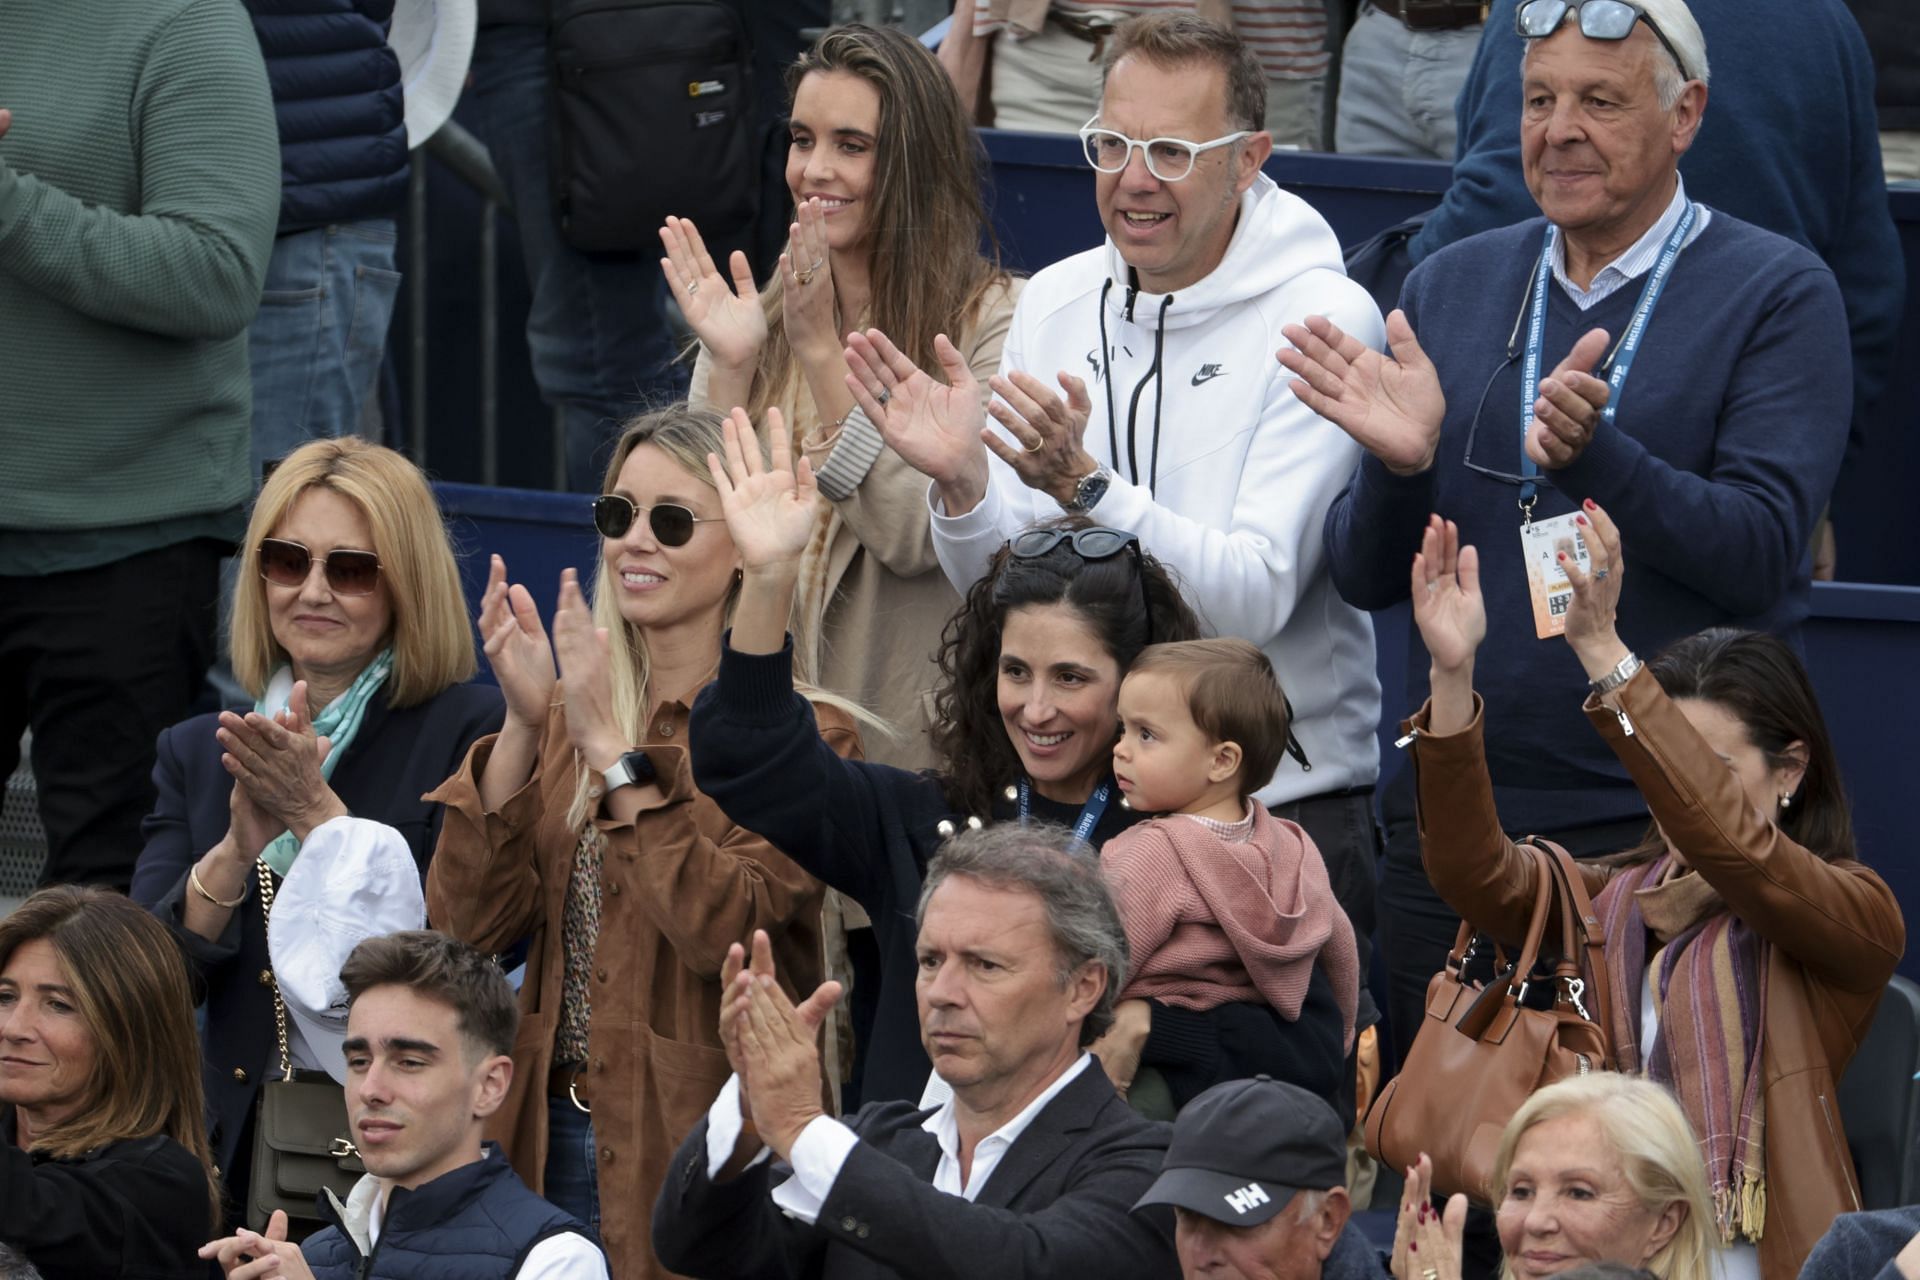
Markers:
point(338, 722)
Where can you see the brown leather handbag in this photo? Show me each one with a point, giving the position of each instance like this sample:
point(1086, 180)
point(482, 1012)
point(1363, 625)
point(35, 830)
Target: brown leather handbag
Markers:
point(1481, 1050)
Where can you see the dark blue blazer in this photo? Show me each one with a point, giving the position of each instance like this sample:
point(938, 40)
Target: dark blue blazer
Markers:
point(396, 758)
point(1059, 1204)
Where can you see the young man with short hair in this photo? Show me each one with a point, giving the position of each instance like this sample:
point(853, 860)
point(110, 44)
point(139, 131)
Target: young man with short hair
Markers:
point(430, 1030)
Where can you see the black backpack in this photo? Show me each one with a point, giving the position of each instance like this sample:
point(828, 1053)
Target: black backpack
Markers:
point(652, 114)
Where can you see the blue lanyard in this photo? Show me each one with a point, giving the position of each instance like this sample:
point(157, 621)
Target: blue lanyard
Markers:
point(1623, 353)
point(1090, 812)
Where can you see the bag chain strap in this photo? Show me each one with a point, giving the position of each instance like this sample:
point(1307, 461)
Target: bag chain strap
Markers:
point(279, 1005)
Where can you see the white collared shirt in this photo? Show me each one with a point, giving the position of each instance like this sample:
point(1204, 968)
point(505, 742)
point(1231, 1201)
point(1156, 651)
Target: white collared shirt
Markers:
point(1639, 257)
point(824, 1145)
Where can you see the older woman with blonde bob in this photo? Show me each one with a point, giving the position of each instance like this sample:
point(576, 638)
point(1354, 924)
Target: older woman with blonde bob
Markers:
point(1601, 1168)
point(104, 1167)
point(350, 629)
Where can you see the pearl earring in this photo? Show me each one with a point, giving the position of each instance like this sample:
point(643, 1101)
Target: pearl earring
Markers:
point(1786, 799)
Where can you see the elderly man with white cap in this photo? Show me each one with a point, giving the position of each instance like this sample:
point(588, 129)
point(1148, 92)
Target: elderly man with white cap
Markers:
point(1256, 1174)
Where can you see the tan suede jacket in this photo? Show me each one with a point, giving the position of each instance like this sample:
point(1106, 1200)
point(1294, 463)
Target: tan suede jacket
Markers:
point(678, 885)
point(1835, 928)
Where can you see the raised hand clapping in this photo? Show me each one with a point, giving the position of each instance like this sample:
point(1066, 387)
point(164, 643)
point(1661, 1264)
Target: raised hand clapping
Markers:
point(1392, 407)
point(935, 426)
point(728, 320)
point(516, 646)
point(770, 507)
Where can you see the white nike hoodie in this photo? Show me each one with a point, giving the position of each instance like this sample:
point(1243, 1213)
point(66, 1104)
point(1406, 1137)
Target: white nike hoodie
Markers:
point(1219, 470)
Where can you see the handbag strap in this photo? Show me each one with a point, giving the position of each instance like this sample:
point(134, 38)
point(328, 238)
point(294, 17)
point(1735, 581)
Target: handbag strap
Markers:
point(1505, 990)
point(1543, 900)
point(279, 1003)
point(1577, 915)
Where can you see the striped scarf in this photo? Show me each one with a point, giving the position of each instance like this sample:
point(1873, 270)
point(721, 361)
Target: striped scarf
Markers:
point(1708, 973)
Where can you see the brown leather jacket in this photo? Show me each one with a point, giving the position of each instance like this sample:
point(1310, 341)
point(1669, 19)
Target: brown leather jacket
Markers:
point(678, 886)
point(1835, 928)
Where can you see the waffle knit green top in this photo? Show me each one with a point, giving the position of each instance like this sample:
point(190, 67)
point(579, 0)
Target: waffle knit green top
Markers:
point(139, 190)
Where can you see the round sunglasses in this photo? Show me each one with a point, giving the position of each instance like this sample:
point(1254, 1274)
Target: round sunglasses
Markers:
point(349, 573)
point(672, 524)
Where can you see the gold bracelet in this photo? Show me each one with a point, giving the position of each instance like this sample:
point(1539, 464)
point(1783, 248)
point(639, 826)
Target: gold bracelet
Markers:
point(193, 880)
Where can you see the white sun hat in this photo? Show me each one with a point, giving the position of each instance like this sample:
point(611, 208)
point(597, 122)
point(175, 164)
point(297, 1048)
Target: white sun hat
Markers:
point(434, 41)
point(354, 879)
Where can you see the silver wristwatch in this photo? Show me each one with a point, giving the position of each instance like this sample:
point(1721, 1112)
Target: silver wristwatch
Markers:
point(633, 769)
point(1087, 493)
point(1623, 671)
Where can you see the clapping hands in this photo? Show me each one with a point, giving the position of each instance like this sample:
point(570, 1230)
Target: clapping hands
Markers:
point(728, 320)
point(1427, 1242)
point(1393, 408)
point(770, 507)
point(522, 657)
point(772, 1044)
point(936, 426)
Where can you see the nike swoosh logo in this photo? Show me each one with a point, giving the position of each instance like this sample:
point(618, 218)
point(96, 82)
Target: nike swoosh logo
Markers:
point(1207, 376)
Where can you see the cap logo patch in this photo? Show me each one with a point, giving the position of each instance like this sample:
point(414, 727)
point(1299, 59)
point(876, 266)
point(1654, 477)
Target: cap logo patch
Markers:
point(1247, 1198)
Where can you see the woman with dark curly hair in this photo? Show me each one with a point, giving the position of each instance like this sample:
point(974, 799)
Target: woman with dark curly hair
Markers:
point(1026, 721)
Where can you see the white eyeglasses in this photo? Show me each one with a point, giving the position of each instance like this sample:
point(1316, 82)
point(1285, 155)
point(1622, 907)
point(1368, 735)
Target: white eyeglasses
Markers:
point(1168, 159)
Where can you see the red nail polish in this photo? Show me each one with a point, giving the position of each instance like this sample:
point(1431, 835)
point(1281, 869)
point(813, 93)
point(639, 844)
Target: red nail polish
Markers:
point(1579, 519)
point(1561, 556)
point(1588, 504)
point(1412, 1247)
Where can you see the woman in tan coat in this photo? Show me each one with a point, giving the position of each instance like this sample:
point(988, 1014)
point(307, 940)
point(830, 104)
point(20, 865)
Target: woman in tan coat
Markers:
point(885, 175)
point(578, 827)
point(1746, 946)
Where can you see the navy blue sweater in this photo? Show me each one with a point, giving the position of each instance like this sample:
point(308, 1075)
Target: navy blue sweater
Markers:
point(1729, 434)
point(1788, 143)
point(869, 831)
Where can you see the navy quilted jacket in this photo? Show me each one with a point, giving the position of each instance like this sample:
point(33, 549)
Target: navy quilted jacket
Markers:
point(336, 96)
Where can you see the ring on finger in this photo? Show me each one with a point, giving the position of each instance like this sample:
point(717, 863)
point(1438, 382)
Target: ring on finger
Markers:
point(1035, 447)
point(1600, 575)
point(884, 395)
point(693, 287)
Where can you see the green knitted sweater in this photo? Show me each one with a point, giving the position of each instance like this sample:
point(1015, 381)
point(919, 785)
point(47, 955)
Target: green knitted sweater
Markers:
point(139, 189)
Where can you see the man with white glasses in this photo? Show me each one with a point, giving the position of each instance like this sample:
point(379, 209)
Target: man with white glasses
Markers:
point(1138, 387)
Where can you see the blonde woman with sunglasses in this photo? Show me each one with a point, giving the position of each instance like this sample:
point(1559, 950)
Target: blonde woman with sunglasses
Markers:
point(579, 828)
point(350, 629)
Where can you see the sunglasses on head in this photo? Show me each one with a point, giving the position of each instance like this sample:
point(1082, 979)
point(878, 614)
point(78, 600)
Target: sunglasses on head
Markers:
point(671, 523)
point(1599, 20)
point(349, 573)
point(1089, 544)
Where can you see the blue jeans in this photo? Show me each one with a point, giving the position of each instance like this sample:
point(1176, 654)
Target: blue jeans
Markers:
point(597, 330)
point(572, 1182)
point(318, 339)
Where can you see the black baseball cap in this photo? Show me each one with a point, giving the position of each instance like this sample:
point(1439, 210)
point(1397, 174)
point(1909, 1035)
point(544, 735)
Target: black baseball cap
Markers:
point(1241, 1149)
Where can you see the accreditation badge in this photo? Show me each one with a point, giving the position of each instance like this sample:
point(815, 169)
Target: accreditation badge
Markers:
point(1541, 544)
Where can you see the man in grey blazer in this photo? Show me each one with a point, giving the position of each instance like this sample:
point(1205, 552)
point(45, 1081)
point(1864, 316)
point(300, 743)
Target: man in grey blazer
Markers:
point(1028, 1169)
